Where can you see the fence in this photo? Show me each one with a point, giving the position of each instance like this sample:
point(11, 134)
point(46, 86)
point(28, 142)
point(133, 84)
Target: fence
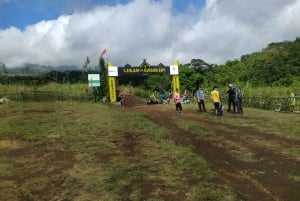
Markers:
point(289, 104)
point(41, 96)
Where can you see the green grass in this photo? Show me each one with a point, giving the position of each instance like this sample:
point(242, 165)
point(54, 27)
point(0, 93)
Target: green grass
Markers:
point(87, 151)
point(229, 133)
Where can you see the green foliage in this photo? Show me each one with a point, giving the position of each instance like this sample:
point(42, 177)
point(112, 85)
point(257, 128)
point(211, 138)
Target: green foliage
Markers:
point(3, 69)
point(142, 92)
point(158, 83)
point(276, 64)
point(189, 78)
point(86, 64)
point(85, 70)
point(103, 90)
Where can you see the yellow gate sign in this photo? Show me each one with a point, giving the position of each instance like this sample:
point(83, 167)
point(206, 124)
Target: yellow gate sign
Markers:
point(112, 89)
point(175, 82)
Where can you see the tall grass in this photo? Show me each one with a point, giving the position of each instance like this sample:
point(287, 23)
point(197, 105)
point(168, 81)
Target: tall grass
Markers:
point(274, 98)
point(271, 98)
point(49, 87)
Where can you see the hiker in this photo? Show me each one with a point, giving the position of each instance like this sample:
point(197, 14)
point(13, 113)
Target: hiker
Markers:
point(152, 99)
point(120, 100)
point(162, 98)
point(177, 101)
point(95, 94)
point(231, 95)
point(185, 96)
point(216, 100)
point(169, 97)
point(239, 101)
point(200, 99)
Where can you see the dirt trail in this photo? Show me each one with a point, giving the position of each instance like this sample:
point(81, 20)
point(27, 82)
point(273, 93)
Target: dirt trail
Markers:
point(265, 178)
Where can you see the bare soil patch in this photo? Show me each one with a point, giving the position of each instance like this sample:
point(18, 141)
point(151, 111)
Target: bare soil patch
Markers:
point(11, 144)
point(266, 177)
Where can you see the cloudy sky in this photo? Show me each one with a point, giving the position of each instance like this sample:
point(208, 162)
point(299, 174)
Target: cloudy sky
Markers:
point(65, 32)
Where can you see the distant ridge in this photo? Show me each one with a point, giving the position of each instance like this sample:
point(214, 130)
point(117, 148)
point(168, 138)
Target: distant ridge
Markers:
point(36, 69)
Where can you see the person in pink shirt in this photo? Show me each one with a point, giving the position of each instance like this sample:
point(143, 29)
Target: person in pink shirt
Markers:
point(177, 101)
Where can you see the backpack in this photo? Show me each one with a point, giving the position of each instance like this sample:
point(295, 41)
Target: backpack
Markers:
point(220, 110)
point(239, 94)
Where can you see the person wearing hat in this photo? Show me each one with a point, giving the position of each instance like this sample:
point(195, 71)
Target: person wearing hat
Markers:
point(216, 99)
point(200, 97)
point(231, 95)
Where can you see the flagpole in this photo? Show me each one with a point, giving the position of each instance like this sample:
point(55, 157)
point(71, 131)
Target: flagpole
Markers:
point(106, 59)
point(107, 76)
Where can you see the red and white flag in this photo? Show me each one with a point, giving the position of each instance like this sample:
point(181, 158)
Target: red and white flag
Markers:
point(103, 52)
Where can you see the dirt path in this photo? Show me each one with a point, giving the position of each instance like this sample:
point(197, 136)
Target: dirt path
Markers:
point(264, 178)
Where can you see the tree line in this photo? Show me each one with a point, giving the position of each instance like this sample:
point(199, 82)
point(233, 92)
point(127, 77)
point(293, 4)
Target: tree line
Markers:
point(276, 65)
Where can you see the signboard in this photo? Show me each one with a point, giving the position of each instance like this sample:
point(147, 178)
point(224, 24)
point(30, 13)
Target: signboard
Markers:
point(174, 70)
point(175, 82)
point(142, 71)
point(113, 71)
point(94, 80)
point(112, 89)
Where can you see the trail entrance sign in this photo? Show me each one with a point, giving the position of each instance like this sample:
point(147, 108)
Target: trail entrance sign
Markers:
point(143, 69)
point(94, 80)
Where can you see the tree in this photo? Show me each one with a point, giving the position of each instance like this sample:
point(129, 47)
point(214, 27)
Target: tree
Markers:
point(103, 90)
point(86, 63)
point(85, 69)
point(189, 78)
point(158, 83)
point(3, 69)
point(199, 65)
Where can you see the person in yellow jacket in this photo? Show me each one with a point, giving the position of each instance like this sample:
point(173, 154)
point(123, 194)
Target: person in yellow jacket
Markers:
point(216, 99)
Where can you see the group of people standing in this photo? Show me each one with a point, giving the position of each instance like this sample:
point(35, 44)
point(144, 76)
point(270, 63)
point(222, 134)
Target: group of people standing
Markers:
point(235, 99)
point(233, 94)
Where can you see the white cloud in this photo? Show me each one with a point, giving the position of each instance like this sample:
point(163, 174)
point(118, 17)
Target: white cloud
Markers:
point(148, 29)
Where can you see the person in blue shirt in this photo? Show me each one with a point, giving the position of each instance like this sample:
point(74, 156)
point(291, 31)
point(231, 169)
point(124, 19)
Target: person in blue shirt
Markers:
point(239, 101)
point(200, 98)
point(162, 97)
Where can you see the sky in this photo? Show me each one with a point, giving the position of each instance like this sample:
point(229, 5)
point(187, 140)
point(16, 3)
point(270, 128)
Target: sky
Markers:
point(66, 32)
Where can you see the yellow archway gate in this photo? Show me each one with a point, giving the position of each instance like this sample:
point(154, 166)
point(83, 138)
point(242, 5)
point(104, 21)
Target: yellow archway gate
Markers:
point(144, 68)
point(112, 82)
point(175, 76)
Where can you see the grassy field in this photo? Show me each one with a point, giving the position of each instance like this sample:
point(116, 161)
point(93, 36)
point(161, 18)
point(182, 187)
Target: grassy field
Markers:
point(88, 151)
point(71, 151)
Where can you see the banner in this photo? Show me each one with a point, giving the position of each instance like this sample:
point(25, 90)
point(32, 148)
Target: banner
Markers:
point(143, 71)
point(175, 82)
point(112, 89)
